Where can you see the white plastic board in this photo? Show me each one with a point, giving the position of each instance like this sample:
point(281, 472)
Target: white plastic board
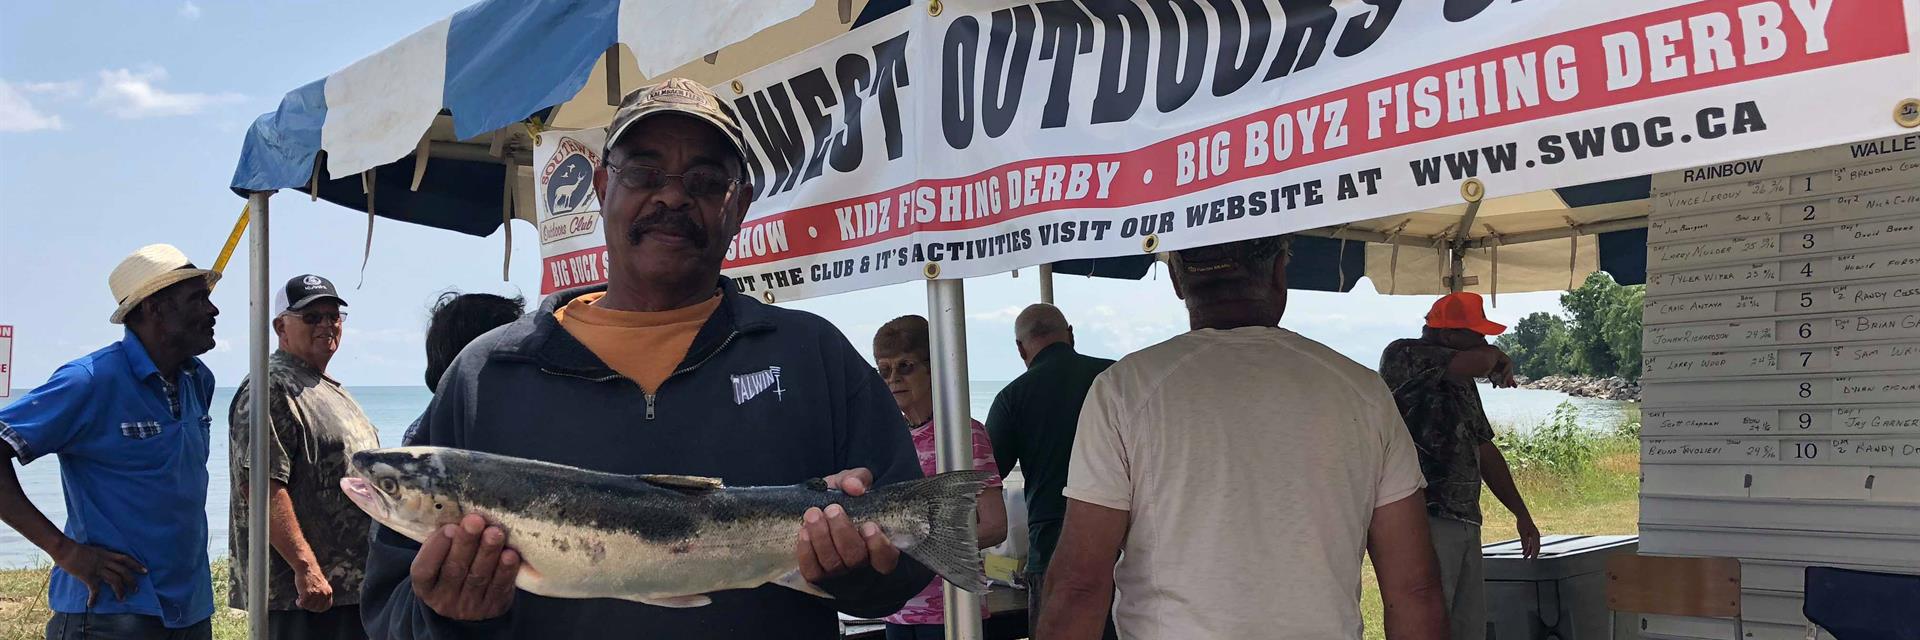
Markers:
point(1781, 370)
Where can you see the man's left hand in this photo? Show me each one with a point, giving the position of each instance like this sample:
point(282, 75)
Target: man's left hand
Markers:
point(831, 544)
point(1529, 538)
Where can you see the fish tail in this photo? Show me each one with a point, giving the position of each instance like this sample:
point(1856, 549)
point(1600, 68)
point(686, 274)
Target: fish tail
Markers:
point(947, 501)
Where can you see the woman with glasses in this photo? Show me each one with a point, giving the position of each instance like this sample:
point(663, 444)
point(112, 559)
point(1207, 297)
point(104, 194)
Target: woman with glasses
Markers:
point(902, 352)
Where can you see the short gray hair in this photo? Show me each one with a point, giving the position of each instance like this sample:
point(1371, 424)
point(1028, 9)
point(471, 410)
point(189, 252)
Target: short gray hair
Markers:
point(1039, 321)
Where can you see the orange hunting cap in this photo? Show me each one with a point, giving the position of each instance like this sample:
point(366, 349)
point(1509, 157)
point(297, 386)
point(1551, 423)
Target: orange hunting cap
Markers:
point(1462, 310)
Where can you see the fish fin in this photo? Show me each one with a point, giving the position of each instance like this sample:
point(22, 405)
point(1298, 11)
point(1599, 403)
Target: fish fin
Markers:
point(793, 581)
point(675, 602)
point(950, 547)
point(695, 484)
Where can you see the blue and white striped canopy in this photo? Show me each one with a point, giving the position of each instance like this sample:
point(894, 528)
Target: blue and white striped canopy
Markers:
point(448, 88)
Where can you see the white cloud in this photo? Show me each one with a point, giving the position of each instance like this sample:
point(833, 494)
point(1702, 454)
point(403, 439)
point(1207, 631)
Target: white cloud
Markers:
point(1003, 315)
point(60, 90)
point(133, 95)
point(190, 10)
point(17, 114)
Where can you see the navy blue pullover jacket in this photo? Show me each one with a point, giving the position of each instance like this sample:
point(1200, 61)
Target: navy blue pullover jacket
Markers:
point(765, 396)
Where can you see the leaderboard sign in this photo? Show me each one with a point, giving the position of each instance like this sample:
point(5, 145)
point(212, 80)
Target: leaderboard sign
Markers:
point(997, 134)
point(1783, 312)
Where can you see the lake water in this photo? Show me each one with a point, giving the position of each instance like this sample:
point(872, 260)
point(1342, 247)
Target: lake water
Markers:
point(393, 408)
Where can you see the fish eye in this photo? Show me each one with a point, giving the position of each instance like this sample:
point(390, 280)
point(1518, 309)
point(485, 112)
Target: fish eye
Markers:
point(387, 486)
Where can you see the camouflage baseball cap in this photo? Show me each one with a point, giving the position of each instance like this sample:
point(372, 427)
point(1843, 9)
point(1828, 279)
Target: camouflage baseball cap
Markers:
point(676, 95)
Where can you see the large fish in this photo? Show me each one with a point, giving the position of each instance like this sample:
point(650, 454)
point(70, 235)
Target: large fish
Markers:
point(658, 539)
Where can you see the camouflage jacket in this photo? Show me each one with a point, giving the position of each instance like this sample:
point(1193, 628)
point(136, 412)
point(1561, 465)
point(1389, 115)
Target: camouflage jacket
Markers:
point(1447, 423)
point(317, 426)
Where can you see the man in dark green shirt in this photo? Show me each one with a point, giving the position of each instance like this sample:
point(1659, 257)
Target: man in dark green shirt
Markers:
point(1032, 423)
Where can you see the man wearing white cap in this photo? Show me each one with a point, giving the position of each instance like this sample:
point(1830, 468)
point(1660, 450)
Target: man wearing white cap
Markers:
point(319, 538)
point(130, 425)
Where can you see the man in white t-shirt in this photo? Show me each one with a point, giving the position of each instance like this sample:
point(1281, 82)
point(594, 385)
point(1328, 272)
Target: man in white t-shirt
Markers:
point(1243, 470)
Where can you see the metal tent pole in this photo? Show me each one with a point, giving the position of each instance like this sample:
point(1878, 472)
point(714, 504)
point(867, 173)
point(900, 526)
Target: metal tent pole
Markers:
point(1046, 283)
point(257, 559)
point(953, 441)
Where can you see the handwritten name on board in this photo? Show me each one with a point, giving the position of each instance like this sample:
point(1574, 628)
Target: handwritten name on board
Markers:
point(1860, 178)
point(1715, 335)
point(1708, 422)
point(1877, 420)
point(1709, 451)
point(1724, 196)
point(1716, 278)
point(1711, 307)
point(1735, 249)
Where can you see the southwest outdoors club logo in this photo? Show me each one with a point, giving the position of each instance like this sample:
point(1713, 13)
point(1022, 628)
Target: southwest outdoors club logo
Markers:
point(569, 179)
point(311, 281)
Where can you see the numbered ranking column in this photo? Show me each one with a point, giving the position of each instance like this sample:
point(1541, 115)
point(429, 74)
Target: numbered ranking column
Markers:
point(1781, 365)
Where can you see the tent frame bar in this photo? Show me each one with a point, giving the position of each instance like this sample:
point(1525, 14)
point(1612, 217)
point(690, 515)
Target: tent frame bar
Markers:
point(258, 560)
point(953, 424)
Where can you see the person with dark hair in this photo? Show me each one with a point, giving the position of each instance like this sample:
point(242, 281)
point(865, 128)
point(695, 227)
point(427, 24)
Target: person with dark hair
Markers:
point(457, 318)
point(903, 353)
point(130, 426)
point(1225, 483)
point(667, 369)
point(454, 320)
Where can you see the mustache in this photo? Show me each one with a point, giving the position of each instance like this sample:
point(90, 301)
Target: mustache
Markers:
point(664, 219)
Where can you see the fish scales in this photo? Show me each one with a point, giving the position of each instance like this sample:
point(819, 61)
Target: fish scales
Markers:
point(656, 539)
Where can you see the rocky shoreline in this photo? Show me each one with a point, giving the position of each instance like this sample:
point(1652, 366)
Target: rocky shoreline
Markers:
point(1610, 388)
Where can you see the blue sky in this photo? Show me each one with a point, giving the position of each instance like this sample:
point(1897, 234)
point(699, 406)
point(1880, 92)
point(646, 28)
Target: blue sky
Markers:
point(125, 132)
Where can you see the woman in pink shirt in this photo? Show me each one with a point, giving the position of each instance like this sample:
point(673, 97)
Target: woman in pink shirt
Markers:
point(902, 353)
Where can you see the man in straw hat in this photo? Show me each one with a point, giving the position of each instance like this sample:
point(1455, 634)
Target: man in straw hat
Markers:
point(668, 369)
point(1242, 469)
point(1432, 378)
point(130, 425)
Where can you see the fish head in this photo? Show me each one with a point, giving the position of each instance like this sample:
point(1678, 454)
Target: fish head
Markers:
point(407, 489)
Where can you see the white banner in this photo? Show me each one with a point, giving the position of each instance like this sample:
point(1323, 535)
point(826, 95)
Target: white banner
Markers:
point(1002, 134)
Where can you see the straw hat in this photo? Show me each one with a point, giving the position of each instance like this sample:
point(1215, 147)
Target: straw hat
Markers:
point(148, 270)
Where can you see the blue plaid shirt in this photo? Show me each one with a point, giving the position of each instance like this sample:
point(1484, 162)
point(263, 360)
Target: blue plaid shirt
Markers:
point(133, 464)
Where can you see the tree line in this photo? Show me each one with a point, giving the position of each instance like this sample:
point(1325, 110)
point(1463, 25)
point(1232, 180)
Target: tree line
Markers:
point(1599, 335)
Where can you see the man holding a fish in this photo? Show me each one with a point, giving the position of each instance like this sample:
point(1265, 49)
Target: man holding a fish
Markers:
point(669, 376)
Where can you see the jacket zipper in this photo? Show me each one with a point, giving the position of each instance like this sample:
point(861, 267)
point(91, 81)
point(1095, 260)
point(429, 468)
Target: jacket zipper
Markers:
point(656, 394)
point(651, 397)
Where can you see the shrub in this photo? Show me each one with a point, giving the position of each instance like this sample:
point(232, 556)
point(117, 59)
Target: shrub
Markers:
point(1559, 446)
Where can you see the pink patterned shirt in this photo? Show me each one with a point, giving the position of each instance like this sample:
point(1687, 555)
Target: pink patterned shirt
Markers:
point(930, 606)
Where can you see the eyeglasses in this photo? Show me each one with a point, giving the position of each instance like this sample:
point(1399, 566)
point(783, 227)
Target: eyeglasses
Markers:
point(699, 182)
point(317, 317)
point(904, 368)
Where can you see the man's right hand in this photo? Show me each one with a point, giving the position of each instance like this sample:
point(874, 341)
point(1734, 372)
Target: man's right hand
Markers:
point(311, 588)
point(94, 566)
point(465, 572)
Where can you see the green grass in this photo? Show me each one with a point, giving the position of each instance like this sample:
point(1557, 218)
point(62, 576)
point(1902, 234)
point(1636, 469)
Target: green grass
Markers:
point(1580, 482)
point(24, 612)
